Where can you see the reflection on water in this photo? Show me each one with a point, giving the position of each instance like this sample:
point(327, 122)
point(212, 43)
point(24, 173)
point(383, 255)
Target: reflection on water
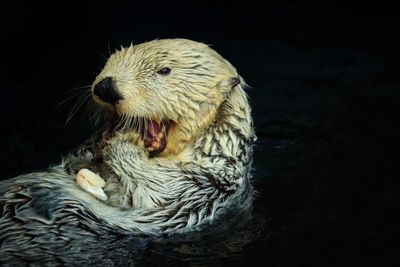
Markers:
point(212, 249)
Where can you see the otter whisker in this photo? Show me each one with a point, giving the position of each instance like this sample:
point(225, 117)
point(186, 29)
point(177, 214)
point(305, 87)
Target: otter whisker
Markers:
point(126, 124)
point(108, 46)
point(119, 122)
point(92, 108)
point(75, 93)
point(131, 123)
point(81, 94)
point(94, 111)
point(76, 107)
point(137, 123)
point(80, 87)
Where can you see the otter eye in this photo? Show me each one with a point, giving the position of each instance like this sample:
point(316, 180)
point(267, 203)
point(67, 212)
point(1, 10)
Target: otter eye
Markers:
point(164, 71)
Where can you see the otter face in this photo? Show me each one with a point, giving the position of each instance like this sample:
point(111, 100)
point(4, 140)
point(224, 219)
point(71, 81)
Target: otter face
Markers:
point(169, 86)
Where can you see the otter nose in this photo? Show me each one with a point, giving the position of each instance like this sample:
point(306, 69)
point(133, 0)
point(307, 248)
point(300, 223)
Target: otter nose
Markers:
point(106, 91)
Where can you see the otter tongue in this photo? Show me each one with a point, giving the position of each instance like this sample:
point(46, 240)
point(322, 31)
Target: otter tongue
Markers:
point(153, 129)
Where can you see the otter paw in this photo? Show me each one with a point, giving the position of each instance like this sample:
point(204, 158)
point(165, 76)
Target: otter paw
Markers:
point(121, 146)
point(91, 183)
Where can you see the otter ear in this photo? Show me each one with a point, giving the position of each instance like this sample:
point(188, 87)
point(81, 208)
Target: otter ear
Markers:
point(234, 81)
point(228, 84)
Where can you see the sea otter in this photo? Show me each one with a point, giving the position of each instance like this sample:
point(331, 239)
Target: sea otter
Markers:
point(175, 156)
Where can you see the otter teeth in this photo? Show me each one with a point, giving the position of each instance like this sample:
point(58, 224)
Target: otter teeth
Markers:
point(154, 146)
point(91, 183)
point(156, 142)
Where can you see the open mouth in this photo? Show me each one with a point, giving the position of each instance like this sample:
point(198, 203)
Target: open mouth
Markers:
point(155, 136)
point(153, 133)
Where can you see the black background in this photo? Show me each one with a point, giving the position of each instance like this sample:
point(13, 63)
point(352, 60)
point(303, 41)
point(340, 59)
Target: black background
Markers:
point(325, 95)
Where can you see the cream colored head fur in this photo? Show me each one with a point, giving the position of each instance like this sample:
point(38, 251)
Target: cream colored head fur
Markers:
point(190, 95)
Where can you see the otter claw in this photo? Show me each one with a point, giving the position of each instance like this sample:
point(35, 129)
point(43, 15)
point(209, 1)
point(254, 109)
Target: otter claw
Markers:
point(91, 183)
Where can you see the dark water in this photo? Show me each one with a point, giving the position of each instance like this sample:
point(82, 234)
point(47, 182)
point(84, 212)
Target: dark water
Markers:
point(325, 96)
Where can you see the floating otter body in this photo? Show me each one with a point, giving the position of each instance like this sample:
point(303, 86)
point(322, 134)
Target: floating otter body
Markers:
point(176, 156)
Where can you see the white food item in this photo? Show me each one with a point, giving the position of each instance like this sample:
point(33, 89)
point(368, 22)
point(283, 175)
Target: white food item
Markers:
point(91, 183)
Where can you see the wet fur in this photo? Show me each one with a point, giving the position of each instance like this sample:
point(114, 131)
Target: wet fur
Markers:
point(202, 176)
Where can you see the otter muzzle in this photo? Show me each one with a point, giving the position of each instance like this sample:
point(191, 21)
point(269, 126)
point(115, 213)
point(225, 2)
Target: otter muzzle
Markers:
point(106, 91)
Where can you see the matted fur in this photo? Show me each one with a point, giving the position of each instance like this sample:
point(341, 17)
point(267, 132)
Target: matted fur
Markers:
point(203, 175)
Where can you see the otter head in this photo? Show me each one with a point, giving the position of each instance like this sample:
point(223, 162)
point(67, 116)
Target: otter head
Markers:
point(170, 88)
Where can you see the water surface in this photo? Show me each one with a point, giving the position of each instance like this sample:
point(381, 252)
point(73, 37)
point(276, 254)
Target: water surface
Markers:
point(325, 97)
